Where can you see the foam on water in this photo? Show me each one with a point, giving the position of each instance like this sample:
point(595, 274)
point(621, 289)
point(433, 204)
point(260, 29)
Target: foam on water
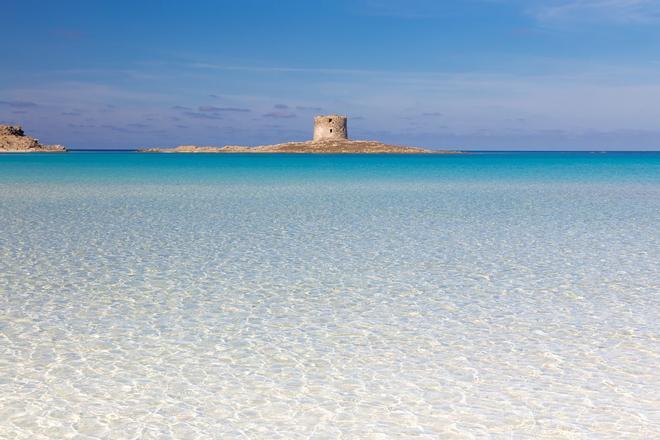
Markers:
point(329, 297)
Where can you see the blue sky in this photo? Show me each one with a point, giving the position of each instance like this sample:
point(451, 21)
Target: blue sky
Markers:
point(478, 74)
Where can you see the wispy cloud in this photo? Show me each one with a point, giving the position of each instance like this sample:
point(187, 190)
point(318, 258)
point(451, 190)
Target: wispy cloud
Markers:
point(210, 108)
point(280, 115)
point(309, 109)
point(69, 34)
point(197, 115)
point(121, 129)
point(18, 104)
point(547, 11)
point(614, 11)
point(280, 69)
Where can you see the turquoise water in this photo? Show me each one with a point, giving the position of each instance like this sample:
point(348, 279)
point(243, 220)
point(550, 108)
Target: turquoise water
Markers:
point(510, 295)
point(118, 167)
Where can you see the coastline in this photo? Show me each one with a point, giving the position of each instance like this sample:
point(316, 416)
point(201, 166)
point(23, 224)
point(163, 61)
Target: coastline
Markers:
point(307, 147)
point(40, 150)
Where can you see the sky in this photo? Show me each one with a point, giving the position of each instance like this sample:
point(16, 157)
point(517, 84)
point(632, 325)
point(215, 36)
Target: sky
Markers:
point(467, 74)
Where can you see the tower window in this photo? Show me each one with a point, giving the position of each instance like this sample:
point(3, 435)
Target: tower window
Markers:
point(331, 130)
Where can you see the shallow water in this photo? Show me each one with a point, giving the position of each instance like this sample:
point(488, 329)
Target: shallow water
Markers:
point(502, 295)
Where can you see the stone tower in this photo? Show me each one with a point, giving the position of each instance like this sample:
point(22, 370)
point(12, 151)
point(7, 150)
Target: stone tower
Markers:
point(330, 127)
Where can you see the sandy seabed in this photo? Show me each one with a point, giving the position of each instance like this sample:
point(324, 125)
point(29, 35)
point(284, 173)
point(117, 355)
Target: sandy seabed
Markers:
point(192, 307)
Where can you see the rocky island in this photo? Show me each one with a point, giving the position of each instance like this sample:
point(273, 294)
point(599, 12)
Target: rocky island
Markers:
point(14, 140)
point(330, 137)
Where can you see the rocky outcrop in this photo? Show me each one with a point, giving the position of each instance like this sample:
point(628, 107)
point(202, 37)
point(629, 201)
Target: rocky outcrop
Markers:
point(14, 140)
point(335, 146)
point(330, 137)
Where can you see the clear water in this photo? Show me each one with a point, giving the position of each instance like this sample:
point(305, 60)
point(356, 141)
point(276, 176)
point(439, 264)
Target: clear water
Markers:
point(194, 296)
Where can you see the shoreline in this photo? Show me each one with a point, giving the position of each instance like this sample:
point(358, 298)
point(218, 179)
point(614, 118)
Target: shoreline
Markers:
point(31, 151)
point(307, 147)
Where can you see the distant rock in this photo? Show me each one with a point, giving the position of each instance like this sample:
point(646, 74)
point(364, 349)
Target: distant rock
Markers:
point(14, 140)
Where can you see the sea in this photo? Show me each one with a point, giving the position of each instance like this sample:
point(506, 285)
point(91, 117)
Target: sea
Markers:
point(504, 295)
